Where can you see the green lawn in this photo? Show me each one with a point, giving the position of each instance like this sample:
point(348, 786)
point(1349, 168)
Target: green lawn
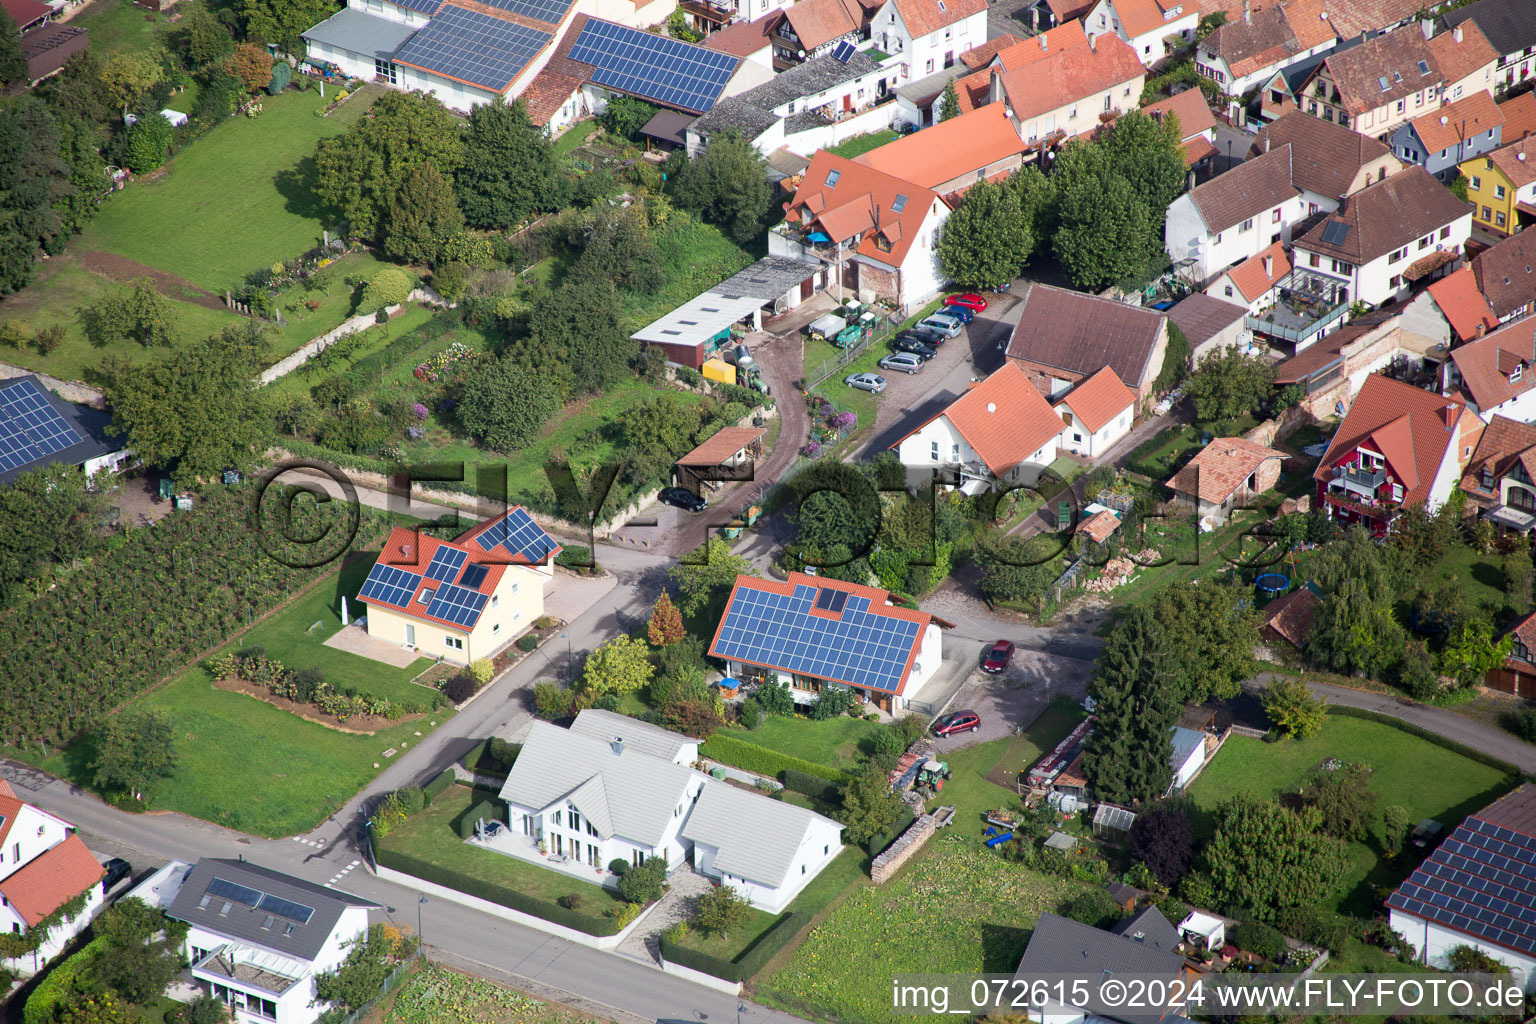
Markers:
point(861, 144)
point(116, 26)
point(833, 742)
point(573, 138)
point(1428, 780)
point(1159, 457)
point(430, 836)
point(1481, 577)
point(1026, 749)
point(236, 200)
point(287, 638)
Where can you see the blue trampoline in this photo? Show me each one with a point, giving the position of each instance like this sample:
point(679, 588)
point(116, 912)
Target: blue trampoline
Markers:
point(1271, 584)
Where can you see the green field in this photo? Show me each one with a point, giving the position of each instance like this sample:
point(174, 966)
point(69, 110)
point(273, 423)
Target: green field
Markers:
point(117, 26)
point(833, 742)
point(1428, 780)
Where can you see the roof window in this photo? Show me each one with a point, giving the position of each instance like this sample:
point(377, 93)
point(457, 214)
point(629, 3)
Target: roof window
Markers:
point(899, 205)
point(832, 177)
point(1385, 85)
point(1423, 68)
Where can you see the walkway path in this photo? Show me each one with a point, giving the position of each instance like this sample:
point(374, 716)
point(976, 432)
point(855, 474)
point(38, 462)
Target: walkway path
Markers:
point(644, 943)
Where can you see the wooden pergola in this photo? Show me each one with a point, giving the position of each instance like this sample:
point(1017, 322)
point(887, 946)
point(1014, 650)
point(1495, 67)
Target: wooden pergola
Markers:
point(728, 455)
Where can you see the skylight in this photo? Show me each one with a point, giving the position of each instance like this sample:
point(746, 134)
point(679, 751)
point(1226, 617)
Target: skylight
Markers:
point(832, 177)
point(1423, 68)
point(1385, 85)
point(900, 204)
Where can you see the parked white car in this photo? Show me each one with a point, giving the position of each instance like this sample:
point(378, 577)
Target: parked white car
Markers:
point(945, 325)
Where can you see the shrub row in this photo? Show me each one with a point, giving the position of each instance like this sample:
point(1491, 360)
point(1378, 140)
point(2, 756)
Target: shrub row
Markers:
point(496, 893)
point(752, 960)
point(1424, 734)
point(813, 786)
point(59, 983)
point(753, 758)
point(369, 370)
point(877, 844)
point(434, 789)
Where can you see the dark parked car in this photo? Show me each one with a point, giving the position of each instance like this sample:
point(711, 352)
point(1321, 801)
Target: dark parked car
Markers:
point(117, 870)
point(957, 721)
point(923, 334)
point(998, 657)
point(681, 497)
point(902, 343)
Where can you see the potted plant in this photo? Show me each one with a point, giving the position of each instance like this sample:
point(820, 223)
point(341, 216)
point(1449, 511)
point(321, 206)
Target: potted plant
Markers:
point(543, 850)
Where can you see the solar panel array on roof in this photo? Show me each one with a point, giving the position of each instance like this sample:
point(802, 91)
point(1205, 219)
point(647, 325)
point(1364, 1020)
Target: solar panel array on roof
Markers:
point(31, 429)
point(551, 11)
point(446, 564)
point(1479, 881)
point(473, 47)
point(861, 648)
point(844, 52)
point(389, 585)
point(519, 536)
point(829, 600)
point(653, 67)
point(1334, 232)
point(296, 912)
point(456, 605)
point(234, 891)
point(424, 6)
point(474, 575)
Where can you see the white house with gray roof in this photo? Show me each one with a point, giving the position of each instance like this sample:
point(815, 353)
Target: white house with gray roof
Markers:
point(614, 788)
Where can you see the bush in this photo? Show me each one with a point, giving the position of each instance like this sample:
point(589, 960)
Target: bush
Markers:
point(783, 931)
point(877, 843)
point(813, 786)
point(527, 642)
point(1258, 938)
point(552, 701)
point(1093, 907)
point(434, 789)
point(645, 883)
point(618, 866)
point(486, 809)
point(571, 901)
point(412, 799)
point(751, 714)
point(573, 556)
point(1522, 723)
point(389, 287)
point(1317, 926)
point(460, 688)
point(750, 757)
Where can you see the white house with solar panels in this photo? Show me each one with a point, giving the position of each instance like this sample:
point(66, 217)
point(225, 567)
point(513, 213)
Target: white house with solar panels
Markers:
point(38, 428)
point(810, 632)
point(615, 788)
point(463, 599)
point(258, 938)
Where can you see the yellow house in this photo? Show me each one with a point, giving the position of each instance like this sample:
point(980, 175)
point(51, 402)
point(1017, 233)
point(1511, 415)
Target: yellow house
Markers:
point(1501, 185)
point(463, 599)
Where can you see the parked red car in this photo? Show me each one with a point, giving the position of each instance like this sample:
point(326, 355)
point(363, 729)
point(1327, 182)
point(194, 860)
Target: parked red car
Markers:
point(969, 300)
point(957, 721)
point(998, 657)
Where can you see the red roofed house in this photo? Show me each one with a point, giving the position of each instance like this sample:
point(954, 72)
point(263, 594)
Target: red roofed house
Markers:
point(463, 599)
point(1255, 281)
point(27, 14)
point(1000, 432)
point(811, 28)
point(876, 230)
point(953, 155)
point(1250, 49)
point(1496, 373)
point(1398, 446)
point(1518, 673)
point(1097, 412)
point(1224, 475)
point(812, 631)
point(927, 35)
point(43, 866)
point(1147, 25)
point(1197, 125)
point(1500, 481)
point(1519, 116)
point(1063, 94)
point(1465, 309)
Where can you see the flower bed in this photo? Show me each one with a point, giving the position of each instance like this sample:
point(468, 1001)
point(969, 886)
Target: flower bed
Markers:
point(441, 365)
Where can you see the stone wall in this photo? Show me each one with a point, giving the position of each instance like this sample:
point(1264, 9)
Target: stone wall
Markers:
point(898, 853)
point(69, 390)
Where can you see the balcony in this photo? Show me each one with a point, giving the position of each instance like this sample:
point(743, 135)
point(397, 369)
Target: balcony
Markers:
point(715, 15)
point(1364, 482)
point(1308, 305)
point(1381, 511)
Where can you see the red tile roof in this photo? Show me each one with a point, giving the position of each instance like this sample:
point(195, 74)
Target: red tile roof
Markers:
point(1221, 468)
point(1189, 107)
point(1458, 58)
point(1004, 419)
point(1387, 215)
point(1067, 36)
point(1462, 304)
point(1269, 35)
point(848, 208)
point(1065, 76)
point(1517, 160)
point(1504, 443)
point(1412, 428)
point(1250, 276)
point(547, 93)
point(743, 38)
point(978, 57)
point(1139, 17)
point(818, 22)
point(1485, 364)
point(25, 12)
point(1326, 158)
point(972, 90)
point(1519, 116)
point(1100, 525)
point(1444, 128)
point(10, 807)
point(924, 17)
point(1098, 399)
point(950, 149)
point(51, 879)
point(725, 443)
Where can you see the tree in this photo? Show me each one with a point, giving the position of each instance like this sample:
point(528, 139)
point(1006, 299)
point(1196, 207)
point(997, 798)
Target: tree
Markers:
point(666, 625)
point(1093, 907)
point(136, 313)
point(506, 405)
point(33, 173)
point(1228, 384)
point(705, 577)
point(832, 701)
point(130, 75)
point(196, 410)
point(1019, 571)
point(13, 66)
point(1162, 838)
point(1176, 357)
point(646, 883)
point(1517, 579)
point(620, 666)
point(200, 38)
point(1129, 755)
point(577, 335)
point(1105, 232)
point(1264, 859)
point(134, 750)
point(869, 806)
point(508, 166)
point(625, 116)
point(1291, 705)
point(1343, 799)
point(422, 216)
point(252, 65)
point(359, 172)
point(949, 104)
point(721, 911)
point(140, 952)
point(361, 973)
point(389, 287)
point(283, 21)
point(1458, 186)
point(149, 143)
point(50, 516)
point(1213, 629)
point(1416, 673)
point(1473, 650)
point(1149, 155)
point(1355, 631)
point(1424, 534)
point(986, 241)
point(726, 185)
point(76, 202)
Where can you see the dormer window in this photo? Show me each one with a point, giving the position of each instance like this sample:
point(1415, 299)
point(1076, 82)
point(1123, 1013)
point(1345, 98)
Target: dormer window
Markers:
point(1520, 651)
point(882, 243)
point(1514, 375)
point(1485, 480)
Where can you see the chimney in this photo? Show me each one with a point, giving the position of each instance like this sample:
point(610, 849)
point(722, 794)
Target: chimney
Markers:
point(1092, 46)
point(1044, 43)
point(1269, 266)
point(1456, 33)
point(1266, 142)
point(1482, 328)
point(617, 745)
point(1428, 28)
point(1248, 12)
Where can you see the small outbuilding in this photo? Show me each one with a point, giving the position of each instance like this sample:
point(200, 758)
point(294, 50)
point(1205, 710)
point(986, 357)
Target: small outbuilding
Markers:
point(1060, 841)
point(728, 455)
point(1203, 930)
point(1111, 822)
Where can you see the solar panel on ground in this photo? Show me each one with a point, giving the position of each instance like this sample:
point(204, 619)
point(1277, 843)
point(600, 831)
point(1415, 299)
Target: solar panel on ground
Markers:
point(474, 575)
point(456, 605)
point(31, 429)
point(286, 908)
point(551, 11)
point(235, 892)
point(473, 47)
point(653, 67)
point(389, 585)
point(446, 564)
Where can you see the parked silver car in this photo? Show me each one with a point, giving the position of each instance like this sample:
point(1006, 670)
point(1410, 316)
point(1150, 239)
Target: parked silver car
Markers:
point(906, 362)
point(945, 325)
point(871, 382)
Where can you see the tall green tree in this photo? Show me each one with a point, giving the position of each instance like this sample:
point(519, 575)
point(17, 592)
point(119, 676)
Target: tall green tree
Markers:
point(1129, 755)
point(1355, 631)
point(77, 203)
point(1294, 708)
point(33, 173)
point(986, 241)
point(1517, 579)
point(506, 405)
point(508, 166)
point(13, 66)
point(51, 517)
point(950, 102)
point(620, 666)
point(869, 806)
point(1106, 231)
point(283, 21)
point(1213, 629)
point(704, 577)
point(140, 952)
point(1149, 154)
point(1264, 859)
point(137, 312)
point(200, 38)
point(195, 410)
point(359, 172)
point(1473, 650)
point(130, 75)
point(422, 216)
point(626, 115)
point(727, 186)
point(1229, 383)
point(134, 750)
point(577, 331)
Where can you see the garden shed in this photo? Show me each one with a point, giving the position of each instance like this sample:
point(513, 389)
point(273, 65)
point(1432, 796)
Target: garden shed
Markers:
point(730, 454)
point(1111, 822)
point(1060, 841)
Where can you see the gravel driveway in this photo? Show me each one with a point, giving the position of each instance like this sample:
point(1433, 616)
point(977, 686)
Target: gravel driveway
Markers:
point(1013, 700)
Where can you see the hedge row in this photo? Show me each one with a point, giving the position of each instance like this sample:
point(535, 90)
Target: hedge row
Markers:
point(877, 844)
point(1424, 734)
point(59, 983)
point(495, 893)
point(434, 789)
point(755, 957)
point(753, 758)
point(484, 809)
point(813, 786)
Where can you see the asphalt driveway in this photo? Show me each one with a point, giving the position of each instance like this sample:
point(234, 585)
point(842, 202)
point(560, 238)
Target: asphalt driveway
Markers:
point(1013, 700)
